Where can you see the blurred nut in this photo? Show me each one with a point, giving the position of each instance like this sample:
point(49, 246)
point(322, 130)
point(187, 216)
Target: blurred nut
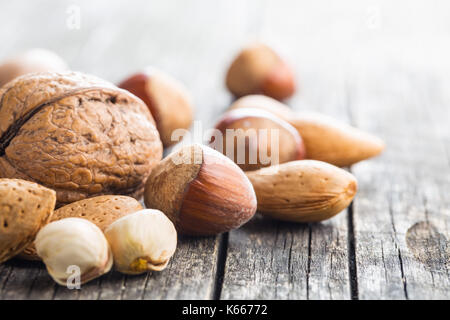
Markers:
point(167, 99)
point(254, 138)
point(258, 69)
point(326, 139)
point(31, 61)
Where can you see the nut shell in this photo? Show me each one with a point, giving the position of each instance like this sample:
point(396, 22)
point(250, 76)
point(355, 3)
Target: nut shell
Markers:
point(201, 191)
point(24, 208)
point(101, 210)
point(252, 138)
point(76, 134)
point(258, 69)
point(167, 99)
point(303, 191)
point(325, 138)
point(31, 61)
point(74, 242)
point(142, 241)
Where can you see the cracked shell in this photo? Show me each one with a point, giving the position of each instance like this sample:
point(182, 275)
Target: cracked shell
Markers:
point(76, 134)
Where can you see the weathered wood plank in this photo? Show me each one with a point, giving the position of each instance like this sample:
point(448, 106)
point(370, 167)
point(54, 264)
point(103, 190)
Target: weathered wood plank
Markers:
point(401, 213)
point(280, 260)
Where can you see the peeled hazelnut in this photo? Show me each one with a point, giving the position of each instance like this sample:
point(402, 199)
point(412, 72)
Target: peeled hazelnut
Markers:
point(73, 242)
point(142, 241)
point(254, 138)
point(201, 191)
point(31, 61)
point(258, 69)
point(326, 139)
point(167, 99)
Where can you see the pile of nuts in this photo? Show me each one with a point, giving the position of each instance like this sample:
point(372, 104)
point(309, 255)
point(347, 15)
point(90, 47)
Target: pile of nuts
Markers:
point(77, 153)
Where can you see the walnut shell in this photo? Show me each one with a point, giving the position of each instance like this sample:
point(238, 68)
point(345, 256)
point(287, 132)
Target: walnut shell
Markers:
point(24, 208)
point(76, 134)
point(101, 210)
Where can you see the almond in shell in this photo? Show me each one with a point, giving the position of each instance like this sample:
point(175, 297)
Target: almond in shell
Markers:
point(24, 208)
point(303, 191)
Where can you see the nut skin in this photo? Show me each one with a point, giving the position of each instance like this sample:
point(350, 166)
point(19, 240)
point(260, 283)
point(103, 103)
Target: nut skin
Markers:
point(74, 242)
point(142, 241)
point(303, 191)
point(325, 138)
point(259, 69)
point(201, 191)
point(24, 208)
point(246, 125)
point(167, 99)
point(76, 134)
point(31, 61)
point(101, 210)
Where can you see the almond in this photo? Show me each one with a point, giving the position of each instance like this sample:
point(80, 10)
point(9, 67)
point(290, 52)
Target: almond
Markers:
point(102, 211)
point(325, 138)
point(303, 191)
point(24, 208)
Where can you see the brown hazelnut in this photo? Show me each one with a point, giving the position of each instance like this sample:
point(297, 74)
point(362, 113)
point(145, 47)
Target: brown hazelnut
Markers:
point(34, 60)
point(258, 69)
point(168, 101)
point(201, 191)
point(326, 139)
point(255, 138)
point(76, 134)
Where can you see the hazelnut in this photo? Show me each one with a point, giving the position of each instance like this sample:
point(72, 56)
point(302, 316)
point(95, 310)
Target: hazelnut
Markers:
point(142, 241)
point(73, 242)
point(167, 99)
point(255, 138)
point(31, 61)
point(326, 139)
point(201, 191)
point(258, 69)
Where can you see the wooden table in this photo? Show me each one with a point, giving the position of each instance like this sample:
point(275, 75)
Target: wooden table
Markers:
point(382, 66)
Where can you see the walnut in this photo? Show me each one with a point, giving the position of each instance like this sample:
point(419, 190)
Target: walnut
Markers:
point(76, 134)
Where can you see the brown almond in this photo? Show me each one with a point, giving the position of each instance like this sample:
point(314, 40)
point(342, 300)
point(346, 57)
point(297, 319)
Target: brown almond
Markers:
point(25, 207)
point(101, 210)
point(325, 138)
point(303, 191)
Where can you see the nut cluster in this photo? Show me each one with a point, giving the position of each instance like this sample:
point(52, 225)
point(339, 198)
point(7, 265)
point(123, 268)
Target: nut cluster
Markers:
point(77, 153)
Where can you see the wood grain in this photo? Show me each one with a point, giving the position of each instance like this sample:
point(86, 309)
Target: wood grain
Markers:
point(376, 65)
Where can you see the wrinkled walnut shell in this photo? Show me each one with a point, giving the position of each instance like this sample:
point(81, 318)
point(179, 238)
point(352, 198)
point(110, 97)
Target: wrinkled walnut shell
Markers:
point(76, 134)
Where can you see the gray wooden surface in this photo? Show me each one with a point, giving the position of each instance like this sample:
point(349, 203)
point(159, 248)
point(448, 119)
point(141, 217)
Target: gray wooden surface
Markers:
point(380, 65)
